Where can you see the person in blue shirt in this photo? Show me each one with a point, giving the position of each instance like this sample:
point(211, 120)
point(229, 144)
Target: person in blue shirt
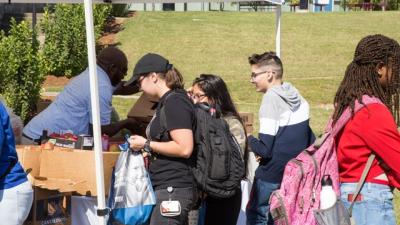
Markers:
point(71, 110)
point(16, 194)
point(284, 132)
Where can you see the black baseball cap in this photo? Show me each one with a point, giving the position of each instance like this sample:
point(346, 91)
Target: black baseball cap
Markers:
point(150, 62)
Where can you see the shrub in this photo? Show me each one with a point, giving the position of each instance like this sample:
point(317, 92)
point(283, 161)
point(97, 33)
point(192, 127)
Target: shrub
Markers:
point(21, 76)
point(120, 10)
point(64, 49)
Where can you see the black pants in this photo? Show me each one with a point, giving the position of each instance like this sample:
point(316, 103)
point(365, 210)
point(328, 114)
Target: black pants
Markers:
point(223, 211)
point(185, 196)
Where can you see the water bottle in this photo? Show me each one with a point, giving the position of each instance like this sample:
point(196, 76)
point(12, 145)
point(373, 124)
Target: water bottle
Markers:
point(328, 196)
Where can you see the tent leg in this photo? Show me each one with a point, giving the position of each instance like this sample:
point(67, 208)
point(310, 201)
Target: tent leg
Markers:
point(278, 30)
point(94, 96)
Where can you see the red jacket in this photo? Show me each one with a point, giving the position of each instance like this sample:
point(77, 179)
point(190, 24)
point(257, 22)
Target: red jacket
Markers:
point(371, 129)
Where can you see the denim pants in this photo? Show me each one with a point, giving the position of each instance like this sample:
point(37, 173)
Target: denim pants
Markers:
point(258, 206)
point(15, 204)
point(186, 197)
point(375, 207)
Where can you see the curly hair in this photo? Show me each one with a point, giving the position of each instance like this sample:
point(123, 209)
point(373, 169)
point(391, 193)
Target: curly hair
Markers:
point(361, 76)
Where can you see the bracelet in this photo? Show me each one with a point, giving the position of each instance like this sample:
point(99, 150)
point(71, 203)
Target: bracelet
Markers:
point(147, 147)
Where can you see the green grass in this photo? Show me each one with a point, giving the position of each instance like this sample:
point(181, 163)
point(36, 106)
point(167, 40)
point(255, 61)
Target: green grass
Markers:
point(316, 48)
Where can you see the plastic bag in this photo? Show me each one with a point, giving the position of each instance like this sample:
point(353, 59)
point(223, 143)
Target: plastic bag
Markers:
point(131, 197)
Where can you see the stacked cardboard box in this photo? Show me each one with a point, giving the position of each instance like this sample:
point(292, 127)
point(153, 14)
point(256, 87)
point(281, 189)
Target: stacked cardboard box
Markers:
point(248, 120)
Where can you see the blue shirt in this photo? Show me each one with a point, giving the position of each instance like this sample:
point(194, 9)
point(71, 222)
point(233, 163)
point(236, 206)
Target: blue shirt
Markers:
point(8, 155)
point(71, 110)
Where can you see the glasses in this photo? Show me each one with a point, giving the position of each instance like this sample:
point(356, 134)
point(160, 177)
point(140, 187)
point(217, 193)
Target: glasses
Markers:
point(197, 97)
point(254, 75)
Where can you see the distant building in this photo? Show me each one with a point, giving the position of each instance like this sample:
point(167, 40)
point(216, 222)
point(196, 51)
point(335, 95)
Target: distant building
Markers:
point(17, 10)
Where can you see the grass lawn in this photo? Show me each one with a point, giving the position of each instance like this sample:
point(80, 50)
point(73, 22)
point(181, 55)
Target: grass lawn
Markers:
point(316, 48)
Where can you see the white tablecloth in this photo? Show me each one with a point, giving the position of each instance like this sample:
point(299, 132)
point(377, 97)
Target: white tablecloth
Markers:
point(83, 210)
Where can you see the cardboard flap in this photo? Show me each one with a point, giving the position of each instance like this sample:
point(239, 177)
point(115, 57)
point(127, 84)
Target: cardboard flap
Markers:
point(143, 108)
point(61, 185)
point(29, 157)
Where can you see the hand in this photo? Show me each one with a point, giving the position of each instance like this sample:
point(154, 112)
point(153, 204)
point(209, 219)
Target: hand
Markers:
point(137, 142)
point(258, 158)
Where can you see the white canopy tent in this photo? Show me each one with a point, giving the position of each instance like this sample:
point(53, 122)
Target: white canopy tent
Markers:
point(93, 74)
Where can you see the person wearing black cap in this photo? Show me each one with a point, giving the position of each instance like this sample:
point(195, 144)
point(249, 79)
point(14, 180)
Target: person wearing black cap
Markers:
point(71, 110)
point(171, 143)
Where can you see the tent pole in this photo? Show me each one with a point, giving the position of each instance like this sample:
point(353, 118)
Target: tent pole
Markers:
point(278, 30)
point(94, 96)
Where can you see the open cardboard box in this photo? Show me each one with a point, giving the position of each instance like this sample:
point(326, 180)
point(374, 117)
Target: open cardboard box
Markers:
point(65, 170)
point(143, 110)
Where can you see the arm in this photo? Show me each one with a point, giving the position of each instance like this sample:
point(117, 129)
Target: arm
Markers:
point(2, 136)
point(126, 90)
point(263, 146)
point(266, 138)
point(181, 145)
point(381, 135)
point(112, 129)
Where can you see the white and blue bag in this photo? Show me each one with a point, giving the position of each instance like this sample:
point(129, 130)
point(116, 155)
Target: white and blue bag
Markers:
point(131, 199)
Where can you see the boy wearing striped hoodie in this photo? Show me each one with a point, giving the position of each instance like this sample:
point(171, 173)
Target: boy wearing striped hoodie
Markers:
point(284, 132)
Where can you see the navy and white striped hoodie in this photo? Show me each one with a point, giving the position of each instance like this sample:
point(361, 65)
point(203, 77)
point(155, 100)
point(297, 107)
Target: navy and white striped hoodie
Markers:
point(284, 131)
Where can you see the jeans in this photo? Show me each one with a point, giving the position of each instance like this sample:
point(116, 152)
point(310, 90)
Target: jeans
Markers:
point(258, 205)
point(15, 204)
point(375, 207)
point(186, 197)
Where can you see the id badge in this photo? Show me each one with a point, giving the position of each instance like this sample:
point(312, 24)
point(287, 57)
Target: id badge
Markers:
point(170, 208)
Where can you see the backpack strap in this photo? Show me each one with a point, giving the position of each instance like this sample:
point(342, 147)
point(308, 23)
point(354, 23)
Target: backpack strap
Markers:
point(360, 183)
point(344, 118)
point(163, 117)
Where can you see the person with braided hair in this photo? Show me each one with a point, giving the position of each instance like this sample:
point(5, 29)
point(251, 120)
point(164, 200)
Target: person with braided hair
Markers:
point(374, 71)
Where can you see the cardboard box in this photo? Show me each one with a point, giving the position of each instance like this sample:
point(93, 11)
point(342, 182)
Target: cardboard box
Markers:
point(65, 170)
point(143, 110)
point(50, 208)
point(248, 120)
point(247, 117)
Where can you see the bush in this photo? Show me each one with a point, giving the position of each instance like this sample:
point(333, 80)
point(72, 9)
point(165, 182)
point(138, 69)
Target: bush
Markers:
point(21, 76)
point(120, 10)
point(64, 50)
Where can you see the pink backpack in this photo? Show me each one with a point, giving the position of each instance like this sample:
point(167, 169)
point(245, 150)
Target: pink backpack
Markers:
point(299, 195)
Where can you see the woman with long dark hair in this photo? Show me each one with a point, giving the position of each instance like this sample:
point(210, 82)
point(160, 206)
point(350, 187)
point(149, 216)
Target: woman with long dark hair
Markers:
point(211, 89)
point(375, 72)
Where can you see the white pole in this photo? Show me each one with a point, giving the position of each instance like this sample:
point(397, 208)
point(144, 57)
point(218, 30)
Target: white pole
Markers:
point(278, 30)
point(94, 96)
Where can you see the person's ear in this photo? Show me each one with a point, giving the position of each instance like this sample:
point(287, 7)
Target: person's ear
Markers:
point(154, 77)
point(270, 76)
point(381, 69)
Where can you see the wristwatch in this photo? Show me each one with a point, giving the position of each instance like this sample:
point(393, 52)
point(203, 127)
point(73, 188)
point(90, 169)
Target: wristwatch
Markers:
point(147, 147)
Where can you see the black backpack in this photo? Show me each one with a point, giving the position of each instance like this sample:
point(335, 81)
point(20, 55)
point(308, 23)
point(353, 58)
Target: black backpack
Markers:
point(218, 165)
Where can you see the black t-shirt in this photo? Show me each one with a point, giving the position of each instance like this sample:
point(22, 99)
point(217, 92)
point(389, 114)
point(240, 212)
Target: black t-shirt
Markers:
point(179, 113)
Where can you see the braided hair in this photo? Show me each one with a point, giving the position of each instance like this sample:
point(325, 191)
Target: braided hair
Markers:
point(361, 76)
